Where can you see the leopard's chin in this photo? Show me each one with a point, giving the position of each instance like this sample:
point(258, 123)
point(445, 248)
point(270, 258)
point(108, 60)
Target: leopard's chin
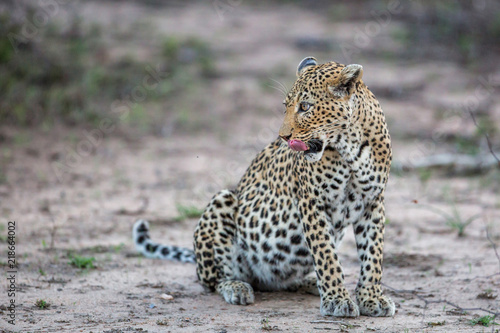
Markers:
point(313, 157)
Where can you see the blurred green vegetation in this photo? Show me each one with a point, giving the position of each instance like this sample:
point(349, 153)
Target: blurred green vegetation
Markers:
point(55, 78)
point(67, 75)
point(188, 212)
point(71, 75)
point(464, 31)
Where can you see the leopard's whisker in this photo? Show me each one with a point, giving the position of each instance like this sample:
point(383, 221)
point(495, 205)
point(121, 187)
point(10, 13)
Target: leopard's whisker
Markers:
point(281, 87)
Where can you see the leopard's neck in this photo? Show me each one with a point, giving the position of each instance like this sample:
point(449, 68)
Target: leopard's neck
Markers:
point(349, 143)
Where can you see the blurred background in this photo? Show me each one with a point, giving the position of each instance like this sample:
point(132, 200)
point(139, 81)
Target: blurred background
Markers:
point(113, 110)
point(191, 79)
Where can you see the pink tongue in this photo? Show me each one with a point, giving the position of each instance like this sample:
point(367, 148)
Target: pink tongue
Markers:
point(297, 145)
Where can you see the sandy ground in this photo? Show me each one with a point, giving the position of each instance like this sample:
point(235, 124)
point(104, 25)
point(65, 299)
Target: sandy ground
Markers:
point(91, 211)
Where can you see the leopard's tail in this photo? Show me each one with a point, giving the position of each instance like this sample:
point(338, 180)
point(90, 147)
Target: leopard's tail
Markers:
point(150, 249)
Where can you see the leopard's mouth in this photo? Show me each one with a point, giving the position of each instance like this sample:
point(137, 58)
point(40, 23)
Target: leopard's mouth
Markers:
point(313, 149)
point(315, 146)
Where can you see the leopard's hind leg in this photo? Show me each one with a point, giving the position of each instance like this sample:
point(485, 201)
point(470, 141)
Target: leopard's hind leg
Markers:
point(214, 247)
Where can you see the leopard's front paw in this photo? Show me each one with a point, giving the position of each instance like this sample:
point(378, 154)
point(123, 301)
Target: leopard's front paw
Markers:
point(236, 292)
point(378, 306)
point(339, 307)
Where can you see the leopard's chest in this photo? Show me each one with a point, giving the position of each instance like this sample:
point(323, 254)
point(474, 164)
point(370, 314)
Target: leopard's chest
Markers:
point(342, 191)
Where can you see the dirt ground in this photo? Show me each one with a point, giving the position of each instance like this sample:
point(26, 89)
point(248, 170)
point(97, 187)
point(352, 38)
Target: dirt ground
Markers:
point(439, 281)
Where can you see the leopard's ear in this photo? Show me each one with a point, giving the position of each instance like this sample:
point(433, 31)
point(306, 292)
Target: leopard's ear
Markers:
point(344, 85)
point(306, 62)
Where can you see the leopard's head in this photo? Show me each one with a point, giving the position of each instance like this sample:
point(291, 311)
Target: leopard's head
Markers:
point(319, 106)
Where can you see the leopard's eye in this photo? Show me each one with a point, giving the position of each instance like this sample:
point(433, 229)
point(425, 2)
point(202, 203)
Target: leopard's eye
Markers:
point(304, 106)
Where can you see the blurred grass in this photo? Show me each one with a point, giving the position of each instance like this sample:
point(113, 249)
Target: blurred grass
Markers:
point(71, 75)
point(68, 75)
point(59, 77)
point(462, 31)
point(188, 212)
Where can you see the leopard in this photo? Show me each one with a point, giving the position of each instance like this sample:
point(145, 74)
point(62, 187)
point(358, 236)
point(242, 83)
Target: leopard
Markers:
point(281, 227)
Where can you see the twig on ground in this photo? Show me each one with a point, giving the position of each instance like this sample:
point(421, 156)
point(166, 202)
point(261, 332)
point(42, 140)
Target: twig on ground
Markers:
point(328, 322)
point(440, 301)
point(53, 232)
point(485, 276)
point(487, 136)
point(494, 246)
point(457, 163)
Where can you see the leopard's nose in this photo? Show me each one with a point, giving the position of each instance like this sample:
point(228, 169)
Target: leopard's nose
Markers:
point(286, 137)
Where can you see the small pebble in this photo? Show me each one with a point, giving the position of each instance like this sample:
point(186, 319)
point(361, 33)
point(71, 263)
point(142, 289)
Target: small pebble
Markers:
point(167, 297)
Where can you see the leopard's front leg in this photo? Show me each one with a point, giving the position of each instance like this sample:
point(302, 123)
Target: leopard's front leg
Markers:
point(369, 233)
point(335, 300)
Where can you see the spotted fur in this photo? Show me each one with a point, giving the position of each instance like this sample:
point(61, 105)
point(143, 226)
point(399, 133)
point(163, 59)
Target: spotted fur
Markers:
point(150, 249)
point(289, 212)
